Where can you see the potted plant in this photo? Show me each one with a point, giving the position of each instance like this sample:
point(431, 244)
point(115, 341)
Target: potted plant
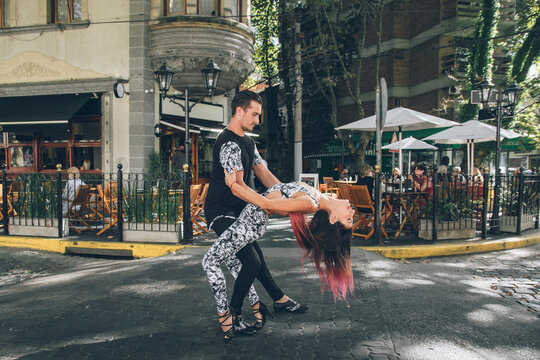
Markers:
point(454, 219)
point(510, 208)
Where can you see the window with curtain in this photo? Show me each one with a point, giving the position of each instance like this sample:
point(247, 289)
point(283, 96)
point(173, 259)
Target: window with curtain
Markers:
point(175, 7)
point(4, 13)
point(192, 7)
point(208, 7)
point(66, 10)
point(231, 9)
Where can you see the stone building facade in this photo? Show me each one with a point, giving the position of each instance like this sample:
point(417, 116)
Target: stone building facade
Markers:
point(61, 58)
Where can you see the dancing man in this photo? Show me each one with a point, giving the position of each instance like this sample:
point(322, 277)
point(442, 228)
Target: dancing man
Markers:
point(235, 150)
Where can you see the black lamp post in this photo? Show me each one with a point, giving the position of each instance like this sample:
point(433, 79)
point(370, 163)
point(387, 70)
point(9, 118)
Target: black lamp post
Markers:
point(498, 102)
point(163, 77)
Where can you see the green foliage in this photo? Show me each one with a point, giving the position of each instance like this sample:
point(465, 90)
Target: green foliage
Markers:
point(157, 166)
point(527, 120)
point(36, 196)
point(265, 25)
point(526, 45)
point(481, 54)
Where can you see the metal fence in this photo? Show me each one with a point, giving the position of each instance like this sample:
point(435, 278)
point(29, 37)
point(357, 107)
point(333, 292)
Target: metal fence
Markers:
point(442, 206)
point(430, 207)
point(97, 203)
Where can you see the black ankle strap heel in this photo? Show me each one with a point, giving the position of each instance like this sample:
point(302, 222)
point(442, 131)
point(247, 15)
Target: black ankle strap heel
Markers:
point(265, 312)
point(228, 335)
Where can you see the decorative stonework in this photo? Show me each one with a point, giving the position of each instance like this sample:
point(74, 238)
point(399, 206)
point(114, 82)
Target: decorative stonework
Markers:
point(188, 43)
point(34, 67)
point(29, 70)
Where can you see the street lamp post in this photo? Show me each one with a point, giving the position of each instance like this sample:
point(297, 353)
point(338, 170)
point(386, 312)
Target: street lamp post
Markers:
point(498, 102)
point(163, 77)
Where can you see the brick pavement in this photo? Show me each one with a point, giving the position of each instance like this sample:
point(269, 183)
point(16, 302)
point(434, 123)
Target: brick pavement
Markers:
point(162, 308)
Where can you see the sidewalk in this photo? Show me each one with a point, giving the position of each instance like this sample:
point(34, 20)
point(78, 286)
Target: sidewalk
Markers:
point(278, 233)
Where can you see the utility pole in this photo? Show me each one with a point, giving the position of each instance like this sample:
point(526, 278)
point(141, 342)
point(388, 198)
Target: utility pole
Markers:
point(298, 102)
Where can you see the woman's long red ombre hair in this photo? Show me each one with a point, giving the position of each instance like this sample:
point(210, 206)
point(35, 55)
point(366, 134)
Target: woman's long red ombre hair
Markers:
point(329, 248)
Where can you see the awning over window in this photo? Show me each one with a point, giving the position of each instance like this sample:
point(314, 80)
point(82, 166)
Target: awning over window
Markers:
point(39, 113)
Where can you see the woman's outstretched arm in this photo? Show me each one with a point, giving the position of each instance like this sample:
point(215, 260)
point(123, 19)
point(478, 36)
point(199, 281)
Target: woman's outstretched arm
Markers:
point(301, 204)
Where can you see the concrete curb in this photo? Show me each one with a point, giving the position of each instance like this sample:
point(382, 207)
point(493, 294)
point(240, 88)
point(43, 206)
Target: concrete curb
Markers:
point(62, 246)
point(142, 250)
point(457, 248)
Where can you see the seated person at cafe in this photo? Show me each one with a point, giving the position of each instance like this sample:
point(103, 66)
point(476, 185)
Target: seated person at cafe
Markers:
point(420, 181)
point(457, 176)
point(477, 175)
point(366, 178)
point(344, 175)
point(73, 183)
point(395, 180)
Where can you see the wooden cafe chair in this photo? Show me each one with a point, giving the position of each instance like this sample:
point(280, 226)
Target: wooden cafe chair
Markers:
point(194, 191)
point(77, 208)
point(364, 209)
point(196, 210)
point(109, 198)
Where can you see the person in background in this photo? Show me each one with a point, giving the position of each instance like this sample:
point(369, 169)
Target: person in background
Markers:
point(344, 175)
point(177, 162)
point(366, 178)
point(73, 183)
point(443, 169)
point(457, 176)
point(477, 175)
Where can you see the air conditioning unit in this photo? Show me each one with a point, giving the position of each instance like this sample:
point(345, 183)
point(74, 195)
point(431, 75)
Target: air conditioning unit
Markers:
point(454, 90)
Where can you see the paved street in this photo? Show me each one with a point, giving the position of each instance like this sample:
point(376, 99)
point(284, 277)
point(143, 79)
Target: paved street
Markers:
point(483, 306)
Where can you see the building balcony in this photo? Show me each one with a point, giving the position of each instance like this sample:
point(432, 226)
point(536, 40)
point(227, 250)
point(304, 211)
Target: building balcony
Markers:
point(188, 43)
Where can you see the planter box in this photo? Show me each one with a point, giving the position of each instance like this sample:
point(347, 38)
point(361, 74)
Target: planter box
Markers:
point(152, 233)
point(509, 223)
point(33, 227)
point(466, 229)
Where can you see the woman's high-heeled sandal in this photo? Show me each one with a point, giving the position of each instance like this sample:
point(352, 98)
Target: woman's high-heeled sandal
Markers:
point(264, 312)
point(228, 334)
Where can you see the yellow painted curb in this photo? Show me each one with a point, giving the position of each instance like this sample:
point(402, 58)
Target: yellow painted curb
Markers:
point(461, 248)
point(59, 246)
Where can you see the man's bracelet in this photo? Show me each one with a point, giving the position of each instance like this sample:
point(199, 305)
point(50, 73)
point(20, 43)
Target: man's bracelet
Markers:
point(234, 182)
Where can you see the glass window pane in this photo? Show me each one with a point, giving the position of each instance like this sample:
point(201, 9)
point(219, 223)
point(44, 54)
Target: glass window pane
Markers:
point(2, 156)
point(62, 10)
point(191, 6)
point(21, 137)
point(51, 136)
point(21, 156)
point(231, 8)
point(176, 6)
point(77, 9)
point(52, 156)
point(5, 13)
point(86, 131)
point(87, 158)
point(208, 7)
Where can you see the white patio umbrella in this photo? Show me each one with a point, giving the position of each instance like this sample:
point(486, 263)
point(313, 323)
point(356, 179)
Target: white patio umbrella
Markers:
point(399, 119)
point(468, 133)
point(410, 144)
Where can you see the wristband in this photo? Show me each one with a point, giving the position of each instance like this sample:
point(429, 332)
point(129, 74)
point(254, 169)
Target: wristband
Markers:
point(234, 182)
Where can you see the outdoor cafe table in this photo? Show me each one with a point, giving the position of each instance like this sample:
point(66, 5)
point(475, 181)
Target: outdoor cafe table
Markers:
point(348, 182)
point(407, 200)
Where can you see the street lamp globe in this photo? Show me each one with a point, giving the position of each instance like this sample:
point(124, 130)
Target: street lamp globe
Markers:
point(211, 75)
point(513, 93)
point(163, 77)
point(485, 88)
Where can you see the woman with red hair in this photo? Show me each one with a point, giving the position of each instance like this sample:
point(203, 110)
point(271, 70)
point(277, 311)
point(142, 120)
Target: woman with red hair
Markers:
point(326, 240)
